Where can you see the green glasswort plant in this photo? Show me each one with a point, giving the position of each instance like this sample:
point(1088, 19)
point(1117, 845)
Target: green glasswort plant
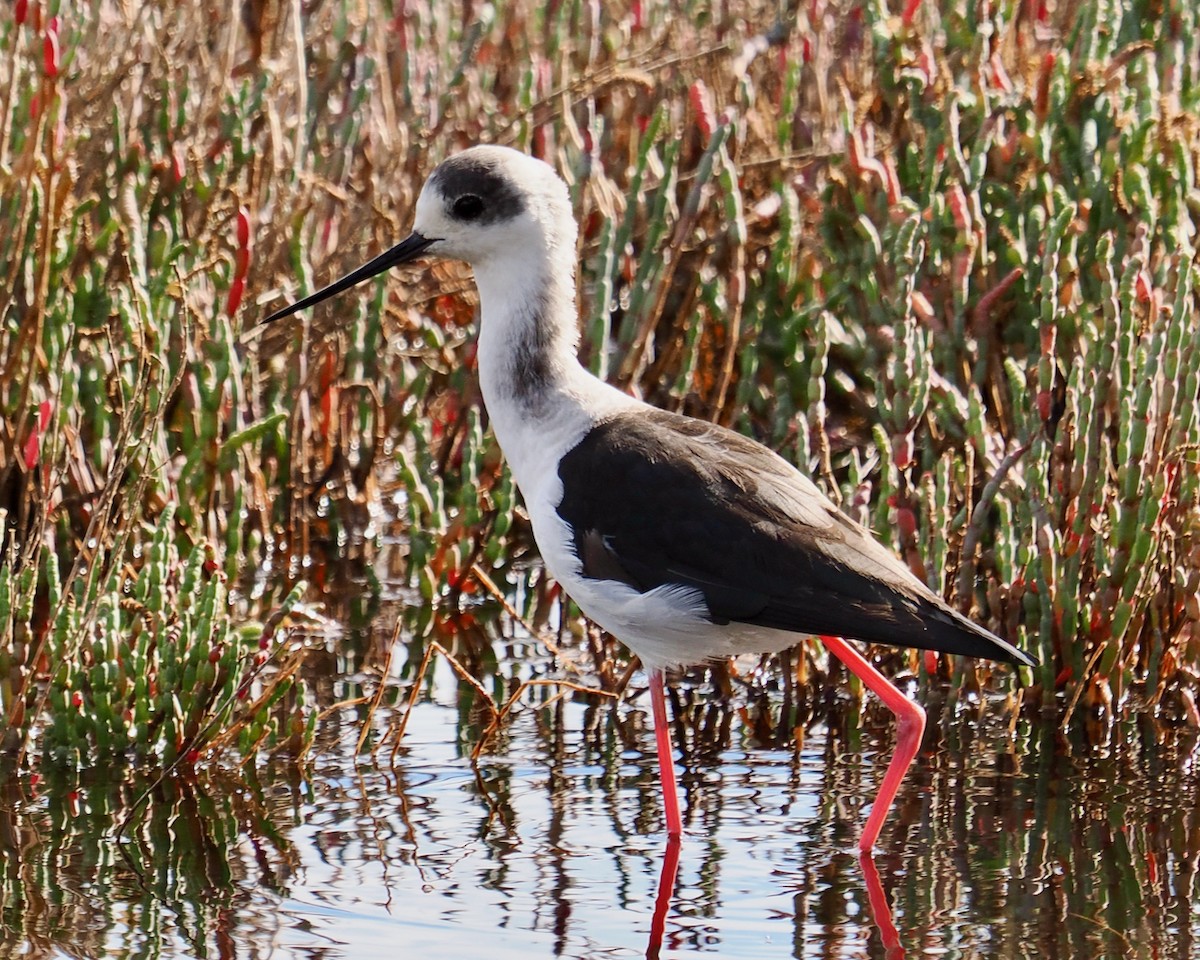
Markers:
point(942, 255)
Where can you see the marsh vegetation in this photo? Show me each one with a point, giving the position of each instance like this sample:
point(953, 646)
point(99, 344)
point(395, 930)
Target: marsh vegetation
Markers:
point(941, 255)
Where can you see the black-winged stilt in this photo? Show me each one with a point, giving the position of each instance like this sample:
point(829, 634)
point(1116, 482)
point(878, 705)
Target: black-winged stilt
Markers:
point(683, 539)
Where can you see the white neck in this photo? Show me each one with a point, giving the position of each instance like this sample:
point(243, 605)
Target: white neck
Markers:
point(527, 335)
point(539, 398)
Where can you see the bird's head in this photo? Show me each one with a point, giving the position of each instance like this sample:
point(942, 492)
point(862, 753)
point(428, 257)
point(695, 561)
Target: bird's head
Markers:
point(490, 206)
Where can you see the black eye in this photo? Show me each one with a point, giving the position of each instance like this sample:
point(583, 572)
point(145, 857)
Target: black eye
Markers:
point(468, 207)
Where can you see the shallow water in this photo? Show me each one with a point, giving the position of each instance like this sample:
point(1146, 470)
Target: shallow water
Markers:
point(1033, 845)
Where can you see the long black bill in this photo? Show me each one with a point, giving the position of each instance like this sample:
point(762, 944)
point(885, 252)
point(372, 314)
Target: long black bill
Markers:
point(407, 249)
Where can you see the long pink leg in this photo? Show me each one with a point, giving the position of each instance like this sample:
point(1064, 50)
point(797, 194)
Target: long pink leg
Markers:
point(666, 765)
point(910, 725)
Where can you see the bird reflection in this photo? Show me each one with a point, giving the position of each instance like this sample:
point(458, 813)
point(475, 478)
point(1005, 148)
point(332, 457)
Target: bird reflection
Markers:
point(879, 908)
point(662, 902)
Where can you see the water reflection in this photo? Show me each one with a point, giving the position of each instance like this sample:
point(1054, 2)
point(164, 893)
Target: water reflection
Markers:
point(1022, 843)
point(197, 861)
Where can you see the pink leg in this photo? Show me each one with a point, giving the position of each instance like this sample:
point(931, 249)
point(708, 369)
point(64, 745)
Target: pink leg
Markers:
point(666, 765)
point(910, 725)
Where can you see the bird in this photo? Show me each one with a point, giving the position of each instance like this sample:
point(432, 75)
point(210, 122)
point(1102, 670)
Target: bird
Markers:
point(685, 540)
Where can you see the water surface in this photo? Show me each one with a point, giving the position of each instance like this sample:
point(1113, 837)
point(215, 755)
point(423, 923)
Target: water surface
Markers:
point(1005, 842)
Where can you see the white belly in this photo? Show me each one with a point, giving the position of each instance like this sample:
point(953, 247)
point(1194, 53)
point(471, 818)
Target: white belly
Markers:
point(667, 626)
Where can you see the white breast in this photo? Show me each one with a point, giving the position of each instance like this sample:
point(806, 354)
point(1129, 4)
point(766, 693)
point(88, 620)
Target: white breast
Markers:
point(666, 626)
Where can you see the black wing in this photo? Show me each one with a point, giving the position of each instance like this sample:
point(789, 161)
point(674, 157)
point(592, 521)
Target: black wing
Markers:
point(654, 498)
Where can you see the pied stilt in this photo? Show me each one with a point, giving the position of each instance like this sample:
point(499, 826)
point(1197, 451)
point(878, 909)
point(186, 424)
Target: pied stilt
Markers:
point(683, 539)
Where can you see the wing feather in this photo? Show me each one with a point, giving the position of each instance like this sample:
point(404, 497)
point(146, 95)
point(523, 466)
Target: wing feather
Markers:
point(656, 499)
